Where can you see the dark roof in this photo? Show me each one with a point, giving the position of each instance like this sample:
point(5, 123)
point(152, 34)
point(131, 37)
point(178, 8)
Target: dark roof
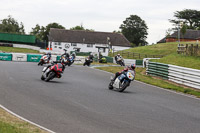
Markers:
point(190, 34)
point(88, 37)
point(162, 40)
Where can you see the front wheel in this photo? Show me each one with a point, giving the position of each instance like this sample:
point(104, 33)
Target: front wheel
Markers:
point(123, 87)
point(110, 86)
point(51, 75)
point(40, 63)
point(42, 77)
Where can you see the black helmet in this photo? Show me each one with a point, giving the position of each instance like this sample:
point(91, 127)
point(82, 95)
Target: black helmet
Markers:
point(133, 66)
point(49, 53)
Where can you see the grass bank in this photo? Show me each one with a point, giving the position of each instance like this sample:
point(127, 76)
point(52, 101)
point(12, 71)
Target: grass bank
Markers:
point(170, 52)
point(12, 124)
point(17, 50)
point(141, 76)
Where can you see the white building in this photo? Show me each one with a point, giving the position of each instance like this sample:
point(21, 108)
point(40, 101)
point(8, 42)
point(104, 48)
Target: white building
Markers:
point(86, 41)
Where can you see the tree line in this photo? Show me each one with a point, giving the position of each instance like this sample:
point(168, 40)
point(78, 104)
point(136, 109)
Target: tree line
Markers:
point(133, 27)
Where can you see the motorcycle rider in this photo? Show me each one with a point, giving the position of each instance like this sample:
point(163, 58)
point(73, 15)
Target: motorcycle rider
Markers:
point(131, 67)
point(65, 55)
point(91, 57)
point(118, 56)
point(62, 61)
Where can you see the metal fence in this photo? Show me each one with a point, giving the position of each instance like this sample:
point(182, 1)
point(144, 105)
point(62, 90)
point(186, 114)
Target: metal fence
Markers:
point(182, 75)
point(133, 55)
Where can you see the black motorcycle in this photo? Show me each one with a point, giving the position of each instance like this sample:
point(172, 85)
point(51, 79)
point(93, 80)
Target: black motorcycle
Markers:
point(88, 61)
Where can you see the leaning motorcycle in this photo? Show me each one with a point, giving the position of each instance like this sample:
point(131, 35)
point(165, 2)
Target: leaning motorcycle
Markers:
point(120, 61)
point(87, 61)
point(44, 60)
point(122, 81)
point(54, 71)
point(71, 60)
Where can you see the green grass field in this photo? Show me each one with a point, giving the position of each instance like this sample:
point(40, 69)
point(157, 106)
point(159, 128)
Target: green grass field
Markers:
point(17, 50)
point(171, 56)
point(12, 124)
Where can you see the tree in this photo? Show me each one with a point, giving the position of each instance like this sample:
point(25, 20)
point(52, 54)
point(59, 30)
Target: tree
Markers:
point(183, 30)
point(42, 33)
point(77, 28)
point(189, 17)
point(10, 25)
point(38, 31)
point(80, 28)
point(135, 30)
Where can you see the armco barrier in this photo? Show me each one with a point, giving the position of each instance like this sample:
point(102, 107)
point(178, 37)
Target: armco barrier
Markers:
point(19, 57)
point(6, 56)
point(58, 58)
point(33, 58)
point(186, 76)
point(157, 69)
point(139, 63)
point(182, 75)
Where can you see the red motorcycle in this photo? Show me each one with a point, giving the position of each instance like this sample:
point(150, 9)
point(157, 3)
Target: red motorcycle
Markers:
point(54, 71)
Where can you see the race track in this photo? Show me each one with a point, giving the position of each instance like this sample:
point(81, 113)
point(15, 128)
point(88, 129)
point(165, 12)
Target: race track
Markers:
point(80, 102)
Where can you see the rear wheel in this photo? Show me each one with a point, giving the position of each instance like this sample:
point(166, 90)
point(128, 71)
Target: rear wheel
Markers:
point(123, 86)
point(51, 75)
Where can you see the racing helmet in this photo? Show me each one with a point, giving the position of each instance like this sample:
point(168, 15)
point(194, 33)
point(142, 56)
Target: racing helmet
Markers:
point(133, 66)
point(118, 54)
point(49, 53)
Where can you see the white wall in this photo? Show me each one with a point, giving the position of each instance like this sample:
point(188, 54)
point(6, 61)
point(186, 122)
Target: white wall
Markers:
point(118, 48)
point(26, 46)
point(58, 47)
point(19, 57)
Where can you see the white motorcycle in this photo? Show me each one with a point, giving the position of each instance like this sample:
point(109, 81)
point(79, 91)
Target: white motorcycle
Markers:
point(120, 61)
point(122, 81)
point(44, 60)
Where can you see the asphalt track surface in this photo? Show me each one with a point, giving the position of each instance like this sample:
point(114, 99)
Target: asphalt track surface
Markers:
point(80, 102)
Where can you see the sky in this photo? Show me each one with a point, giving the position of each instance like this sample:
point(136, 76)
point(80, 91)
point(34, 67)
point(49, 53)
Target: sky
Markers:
point(99, 15)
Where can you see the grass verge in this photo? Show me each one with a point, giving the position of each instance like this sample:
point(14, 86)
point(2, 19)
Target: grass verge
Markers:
point(17, 50)
point(180, 60)
point(141, 76)
point(12, 124)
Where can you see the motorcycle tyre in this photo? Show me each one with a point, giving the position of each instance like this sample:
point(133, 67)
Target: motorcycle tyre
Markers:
point(125, 85)
point(42, 77)
point(40, 63)
point(51, 75)
point(110, 86)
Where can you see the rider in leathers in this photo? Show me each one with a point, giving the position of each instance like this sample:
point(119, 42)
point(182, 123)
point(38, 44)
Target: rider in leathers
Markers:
point(131, 67)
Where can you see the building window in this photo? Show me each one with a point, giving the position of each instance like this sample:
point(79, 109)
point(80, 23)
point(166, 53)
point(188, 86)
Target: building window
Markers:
point(73, 44)
point(55, 46)
point(90, 45)
point(59, 43)
point(102, 50)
